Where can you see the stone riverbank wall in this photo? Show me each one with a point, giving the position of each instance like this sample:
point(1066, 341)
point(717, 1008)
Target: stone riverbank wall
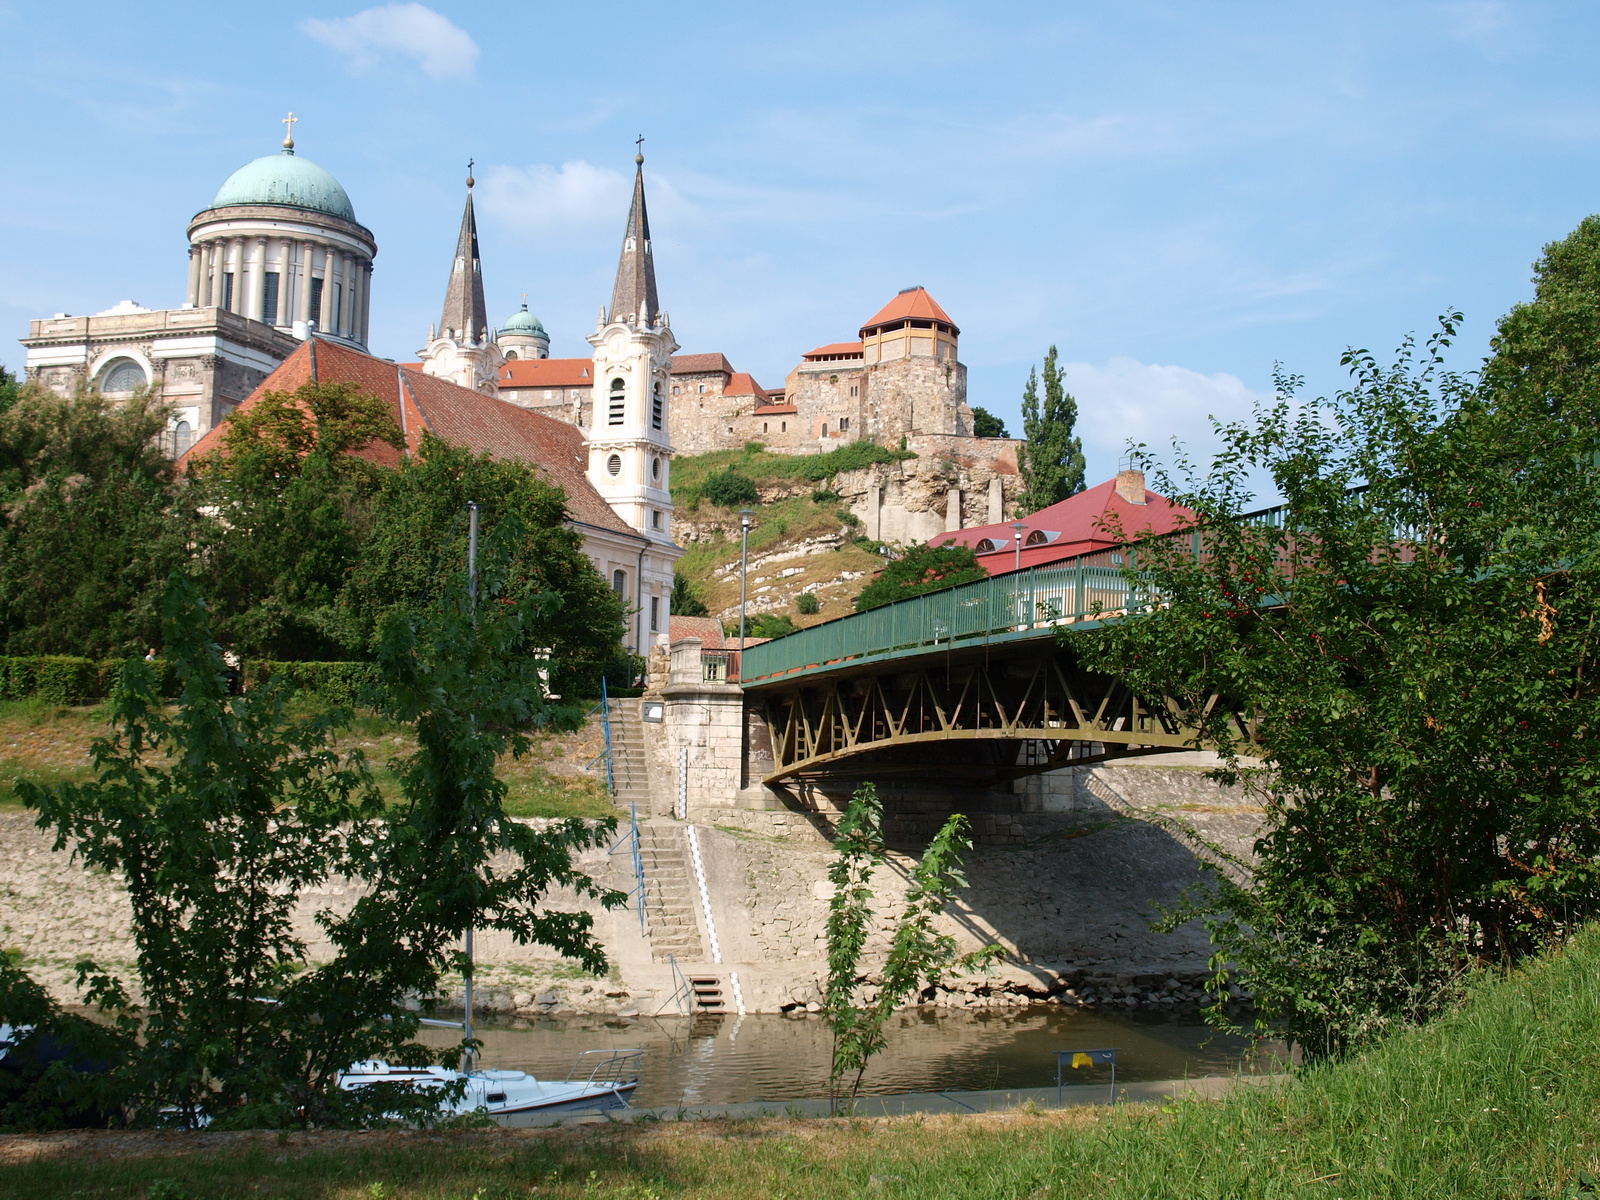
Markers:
point(1067, 874)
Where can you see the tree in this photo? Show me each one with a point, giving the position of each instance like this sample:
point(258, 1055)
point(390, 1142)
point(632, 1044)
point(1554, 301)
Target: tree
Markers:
point(686, 600)
point(1414, 642)
point(1051, 458)
point(986, 425)
point(855, 1006)
point(86, 532)
point(288, 493)
point(920, 570)
point(729, 489)
point(416, 515)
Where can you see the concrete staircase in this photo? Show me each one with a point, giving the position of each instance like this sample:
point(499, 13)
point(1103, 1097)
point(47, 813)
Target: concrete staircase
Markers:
point(671, 894)
point(628, 772)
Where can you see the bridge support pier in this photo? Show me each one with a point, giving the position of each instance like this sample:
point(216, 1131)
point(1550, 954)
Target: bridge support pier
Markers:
point(705, 731)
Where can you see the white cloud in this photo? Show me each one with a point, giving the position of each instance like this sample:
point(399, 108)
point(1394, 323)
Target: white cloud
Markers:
point(541, 199)
point(439, 46)
point(1126, 400)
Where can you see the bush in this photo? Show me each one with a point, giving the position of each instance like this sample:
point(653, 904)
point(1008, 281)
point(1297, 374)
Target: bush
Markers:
point(56, 678)
point(986, 425)
point(808, 604)
point(923, 569)
point(763, 625)
point(342, 683)
point(729, 489)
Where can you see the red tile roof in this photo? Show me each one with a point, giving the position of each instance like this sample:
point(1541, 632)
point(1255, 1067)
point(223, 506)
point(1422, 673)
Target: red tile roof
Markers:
point(742, 383)
point(834, 350)
point(1073, 527)
point(774, 410)
point(707, 629)
point(546, 372)
point(913, 303)
point(700, 364)
point(455, 414)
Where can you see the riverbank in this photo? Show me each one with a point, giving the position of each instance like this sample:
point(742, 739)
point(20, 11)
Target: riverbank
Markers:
point(1499, 1099)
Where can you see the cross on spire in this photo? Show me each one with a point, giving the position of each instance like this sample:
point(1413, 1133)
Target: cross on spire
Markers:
point(471, 162)
point(288, 138)
point(639, 142)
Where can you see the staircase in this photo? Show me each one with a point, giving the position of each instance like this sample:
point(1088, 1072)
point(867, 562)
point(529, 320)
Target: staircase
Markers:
point(671, 893)
point(628, 774)
point(707, 993)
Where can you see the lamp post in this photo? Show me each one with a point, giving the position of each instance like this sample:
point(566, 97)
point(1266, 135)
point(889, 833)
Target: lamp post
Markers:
point(1019, 527)
point(744, 567)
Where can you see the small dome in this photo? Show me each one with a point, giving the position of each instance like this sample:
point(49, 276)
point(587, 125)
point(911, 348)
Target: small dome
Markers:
point(523, 322)
point(288, 180)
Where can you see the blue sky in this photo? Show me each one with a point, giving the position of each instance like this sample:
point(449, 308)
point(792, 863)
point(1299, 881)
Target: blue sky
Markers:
point(1174, 194)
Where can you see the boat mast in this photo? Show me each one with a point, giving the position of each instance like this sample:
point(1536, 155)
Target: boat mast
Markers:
point(472, 599)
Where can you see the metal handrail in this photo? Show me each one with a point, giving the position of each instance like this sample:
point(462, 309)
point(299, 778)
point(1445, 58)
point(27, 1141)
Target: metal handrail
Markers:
point(680, 988)
point(632, 838)
point(617, 1067)
point(604, 709)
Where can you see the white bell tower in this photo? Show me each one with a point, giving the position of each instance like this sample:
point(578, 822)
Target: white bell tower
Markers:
point(630, 431)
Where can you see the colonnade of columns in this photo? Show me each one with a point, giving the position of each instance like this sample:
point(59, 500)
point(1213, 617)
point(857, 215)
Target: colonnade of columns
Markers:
point(343, 301)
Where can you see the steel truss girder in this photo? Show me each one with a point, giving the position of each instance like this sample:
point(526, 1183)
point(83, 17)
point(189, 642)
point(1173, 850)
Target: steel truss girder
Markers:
point(819, 726)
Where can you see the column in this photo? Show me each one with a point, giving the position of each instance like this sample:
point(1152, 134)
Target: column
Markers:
point(306, 256)
point(256, 274)
point(236, 269)
point(215, 252)
point(358, 321)
point(325, 310)
point(204, 297)
point(344, 295)
point(285, 281)
point(194, 277)
point(366, 302)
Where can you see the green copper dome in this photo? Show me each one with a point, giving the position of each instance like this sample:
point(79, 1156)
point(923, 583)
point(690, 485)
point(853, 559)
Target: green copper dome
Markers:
point(287, 180)
point(523, 322)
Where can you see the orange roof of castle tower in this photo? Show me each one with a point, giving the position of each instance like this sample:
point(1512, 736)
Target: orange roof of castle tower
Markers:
point(910, 304)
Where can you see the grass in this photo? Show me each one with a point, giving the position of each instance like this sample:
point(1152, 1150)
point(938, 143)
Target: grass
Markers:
point(754, 462)
point(49, 744)
point(1500, 1099)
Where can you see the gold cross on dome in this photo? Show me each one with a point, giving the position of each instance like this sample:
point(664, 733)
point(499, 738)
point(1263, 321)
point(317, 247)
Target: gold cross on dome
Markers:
point(288, 124)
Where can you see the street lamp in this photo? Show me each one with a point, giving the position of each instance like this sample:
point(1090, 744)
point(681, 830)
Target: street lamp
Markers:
point(744, 566)
point(1019, 527)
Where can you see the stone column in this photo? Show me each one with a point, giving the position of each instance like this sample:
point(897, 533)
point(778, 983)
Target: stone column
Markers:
point(194, 277)
point(203, 296)
point(997, 501)
point(285, 282)
point(325, 309)
point(952, 510)
point(307, 256)
point(366, 300)
point(256, 275)
point(347, 295)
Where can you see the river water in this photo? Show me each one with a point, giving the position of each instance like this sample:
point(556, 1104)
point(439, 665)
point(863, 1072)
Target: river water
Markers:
point(731, 1059)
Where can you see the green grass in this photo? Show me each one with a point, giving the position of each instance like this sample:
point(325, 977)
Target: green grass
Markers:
point(689, 473)
point(1500, 1100)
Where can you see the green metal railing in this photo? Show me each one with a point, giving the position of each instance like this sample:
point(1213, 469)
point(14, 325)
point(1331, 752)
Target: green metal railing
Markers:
point(1025, 604)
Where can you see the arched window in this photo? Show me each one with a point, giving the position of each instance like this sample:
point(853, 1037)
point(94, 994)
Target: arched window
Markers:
point(984, 547)
point(655, 468)
point(122, 375)
point(182, 437)
point(619, 582)
point(655, 408)
point(1037, 538)
point(614, 413)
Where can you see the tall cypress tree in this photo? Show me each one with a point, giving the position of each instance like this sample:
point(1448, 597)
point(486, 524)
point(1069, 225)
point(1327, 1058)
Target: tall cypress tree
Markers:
point(1052, 460)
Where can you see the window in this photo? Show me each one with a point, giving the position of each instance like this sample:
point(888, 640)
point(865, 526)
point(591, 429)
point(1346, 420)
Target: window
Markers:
point(655, 518)
point(614, 414)
point(1037, 538)
point(614, 465)
point(674, 390)
point(123, 375)
point(182, 437)
point(655, 409)
point(619, 582)
point(844, 424)
point(549, 395)
point(269, 298)
point(854, 390)
point(655, 614)
point(227, 290)
point(702, 389)
point(824, 429)
point(316, 300)
point(655, 468)
point(783, 427)
point(984, 547)
point(763, 427)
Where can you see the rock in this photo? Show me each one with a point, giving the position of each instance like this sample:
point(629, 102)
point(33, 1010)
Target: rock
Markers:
point(522, 999)
point(549, 997)
point(615, 992)
point(813, 1007)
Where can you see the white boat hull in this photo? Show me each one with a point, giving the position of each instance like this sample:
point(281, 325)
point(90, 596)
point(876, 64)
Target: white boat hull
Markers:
point(497, 1093)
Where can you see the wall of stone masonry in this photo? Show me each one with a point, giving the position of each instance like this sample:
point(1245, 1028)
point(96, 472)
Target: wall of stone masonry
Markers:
point(910, 500)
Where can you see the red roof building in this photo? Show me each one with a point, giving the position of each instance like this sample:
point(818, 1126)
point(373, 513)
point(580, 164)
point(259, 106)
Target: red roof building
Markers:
point(1077, 525)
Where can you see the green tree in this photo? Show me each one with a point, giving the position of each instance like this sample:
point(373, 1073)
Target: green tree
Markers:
point(1052, 457)
point(857, 1004)
point(1415, 644)
point(288, 497)
point(921, 569)
point(986, 425)
point(87, 535)
point(686, 600)
point(729, 489)
point(418, 535)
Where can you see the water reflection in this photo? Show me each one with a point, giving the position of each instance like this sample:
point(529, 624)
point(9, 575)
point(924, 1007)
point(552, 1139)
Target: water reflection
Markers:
point(727, 1060)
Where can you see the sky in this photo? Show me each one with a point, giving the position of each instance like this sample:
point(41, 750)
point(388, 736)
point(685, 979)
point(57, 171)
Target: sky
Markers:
point(1175, 195)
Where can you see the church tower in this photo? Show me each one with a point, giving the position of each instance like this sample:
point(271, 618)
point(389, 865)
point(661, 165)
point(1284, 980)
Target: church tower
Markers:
point(463, 348)
point(629, 434)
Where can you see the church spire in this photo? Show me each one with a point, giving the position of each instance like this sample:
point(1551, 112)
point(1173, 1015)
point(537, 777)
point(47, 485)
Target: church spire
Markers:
point(635, 292)
point(464, 309)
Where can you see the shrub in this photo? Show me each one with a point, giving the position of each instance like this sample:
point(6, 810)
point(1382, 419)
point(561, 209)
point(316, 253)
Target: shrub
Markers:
point(341, 683)
point(55, 678)
point(808, 604)
point(923, 569)
point(729, 489)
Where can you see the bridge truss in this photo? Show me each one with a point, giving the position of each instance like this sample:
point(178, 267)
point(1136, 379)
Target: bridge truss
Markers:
point(974, 714)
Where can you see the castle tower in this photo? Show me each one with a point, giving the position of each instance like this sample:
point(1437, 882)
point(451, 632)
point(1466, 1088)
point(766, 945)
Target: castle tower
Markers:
point(629, 434)
point(463, 349)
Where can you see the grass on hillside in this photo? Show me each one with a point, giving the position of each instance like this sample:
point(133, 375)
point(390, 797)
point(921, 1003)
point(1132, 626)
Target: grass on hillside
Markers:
point(49, 744)
point(1500, 1099)
point(756, 463)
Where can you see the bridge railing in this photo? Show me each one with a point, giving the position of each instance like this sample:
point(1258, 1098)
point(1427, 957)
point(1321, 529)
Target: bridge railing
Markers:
point(1086, 587)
